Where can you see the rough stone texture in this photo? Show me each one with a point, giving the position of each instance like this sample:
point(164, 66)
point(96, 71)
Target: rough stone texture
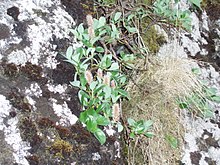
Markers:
point(202, 137)
point(38, 108)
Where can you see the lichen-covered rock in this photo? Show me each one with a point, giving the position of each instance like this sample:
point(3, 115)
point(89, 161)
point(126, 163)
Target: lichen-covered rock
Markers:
point(38, 108)
point(202, 137)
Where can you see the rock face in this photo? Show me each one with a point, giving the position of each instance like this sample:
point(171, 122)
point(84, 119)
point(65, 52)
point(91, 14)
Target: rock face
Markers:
point(202, 136)
point(38, 108)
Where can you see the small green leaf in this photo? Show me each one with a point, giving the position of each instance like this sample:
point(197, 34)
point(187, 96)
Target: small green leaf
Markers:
point(130, 17)
point(102, 21)
point(95, 24)
point(83, 67)
point(98, 89)
point(131, 122)
point(123, 79)
point(83, 97)
point(123, 92)
point(101, 120)
point(172, 141)
point(107, 90)
point(115, 98)
point(131, 29)
point(99, 49)
point(196, 71)
point(93, 85)
point(117, 16)
point(100, 135)
point(75, 33)
point(132, 135)
point(83, 80)
point(86, 38)
point(80, 29)
point(216, 99)
point(83, 117)
point(114, 28)
point(139, 127)
point(108, 62)
point(114, 66)
point(149, 134)
point(69, 52)
point(75, 83)
point(91, 124)
point(183, 105)
point(120, 127)
point(94, 40)
point(147, 124)
point(105, 61)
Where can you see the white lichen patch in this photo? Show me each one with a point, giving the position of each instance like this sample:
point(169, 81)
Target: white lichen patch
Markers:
point(96, 156)
point(214, 153)
point(193, 43)
point(192, 46)
point(118, 149)
point(40, 32)
point(172, 49)
point(196, 127)
point(195, 131)
point(34, 90)
point(62, 111)
point(57, 88)
point(11, 132)
point(31, 102)
point(109, 130)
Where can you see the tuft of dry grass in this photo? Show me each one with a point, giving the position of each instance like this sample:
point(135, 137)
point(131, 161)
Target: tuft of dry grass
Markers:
point(154, 94)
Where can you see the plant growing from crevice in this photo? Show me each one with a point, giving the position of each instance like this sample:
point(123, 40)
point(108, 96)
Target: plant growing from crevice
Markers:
point(98, 75)
point(98, 66)
point(171, 10)
point(140, 127)
point(199, 101)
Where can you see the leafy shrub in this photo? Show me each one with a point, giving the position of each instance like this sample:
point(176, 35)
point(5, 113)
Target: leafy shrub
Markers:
point(98, 74)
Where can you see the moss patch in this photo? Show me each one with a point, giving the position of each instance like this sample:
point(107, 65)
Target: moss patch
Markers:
point(152, 39)
point(61, 148)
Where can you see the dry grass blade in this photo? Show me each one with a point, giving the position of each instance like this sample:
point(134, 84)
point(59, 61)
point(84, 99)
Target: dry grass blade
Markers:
point(154, 95)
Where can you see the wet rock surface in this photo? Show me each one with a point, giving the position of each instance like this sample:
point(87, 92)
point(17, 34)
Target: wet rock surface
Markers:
point(38, 108)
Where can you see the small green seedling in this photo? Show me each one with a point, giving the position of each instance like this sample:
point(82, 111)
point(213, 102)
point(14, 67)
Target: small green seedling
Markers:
point(140, 127)
point(201, 102)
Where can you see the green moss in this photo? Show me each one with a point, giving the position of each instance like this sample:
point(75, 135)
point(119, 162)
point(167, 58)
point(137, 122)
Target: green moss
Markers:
point(151, 38)
point(60, 148)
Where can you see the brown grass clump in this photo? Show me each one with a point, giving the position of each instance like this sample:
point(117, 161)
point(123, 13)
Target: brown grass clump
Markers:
point(154, 95)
